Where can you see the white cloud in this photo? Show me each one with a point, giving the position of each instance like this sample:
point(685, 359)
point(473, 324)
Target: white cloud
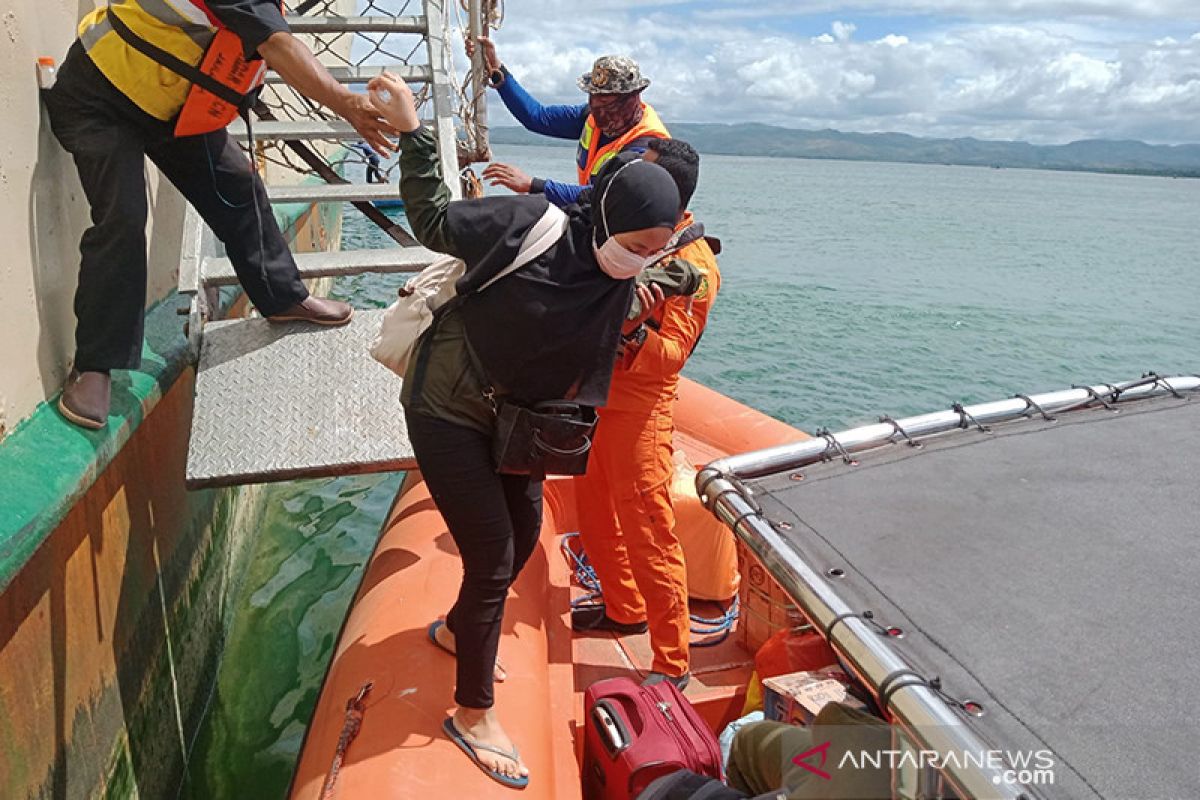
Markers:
point(842, 31)
point(1045, 80)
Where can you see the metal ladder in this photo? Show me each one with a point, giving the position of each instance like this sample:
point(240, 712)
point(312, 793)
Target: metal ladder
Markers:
point(282, 401)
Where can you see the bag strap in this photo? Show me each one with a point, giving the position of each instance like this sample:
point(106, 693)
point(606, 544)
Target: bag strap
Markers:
point(540, 238)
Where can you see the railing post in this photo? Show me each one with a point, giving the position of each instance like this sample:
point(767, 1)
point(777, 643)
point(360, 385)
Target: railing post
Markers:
point(477, 130)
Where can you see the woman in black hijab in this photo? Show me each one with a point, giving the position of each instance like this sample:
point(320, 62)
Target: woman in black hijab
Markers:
point(548, 331)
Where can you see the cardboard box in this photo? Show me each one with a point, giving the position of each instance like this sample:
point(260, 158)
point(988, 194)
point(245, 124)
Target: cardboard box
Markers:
point(797, 697)
point(764, 607)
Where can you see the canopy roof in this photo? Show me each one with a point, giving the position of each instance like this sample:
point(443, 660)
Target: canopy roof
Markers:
point(1047, 570)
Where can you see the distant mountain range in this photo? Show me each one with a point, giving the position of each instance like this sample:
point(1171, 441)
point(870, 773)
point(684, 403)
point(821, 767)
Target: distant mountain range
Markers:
point(752, 139)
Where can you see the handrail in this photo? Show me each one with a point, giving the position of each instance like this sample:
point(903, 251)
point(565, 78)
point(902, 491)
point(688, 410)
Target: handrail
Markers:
point(917, 708)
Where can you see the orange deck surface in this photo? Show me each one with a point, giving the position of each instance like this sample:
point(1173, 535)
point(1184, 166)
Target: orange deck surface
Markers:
point(413, 576)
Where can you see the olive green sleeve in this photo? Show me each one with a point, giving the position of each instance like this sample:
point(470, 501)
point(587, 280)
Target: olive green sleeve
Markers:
point(426, 197)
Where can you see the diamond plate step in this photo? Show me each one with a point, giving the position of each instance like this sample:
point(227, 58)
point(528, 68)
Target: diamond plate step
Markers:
point(333, 192)
point(420, 73)
point(404, 24)
point(219, 271)
point(292, 400)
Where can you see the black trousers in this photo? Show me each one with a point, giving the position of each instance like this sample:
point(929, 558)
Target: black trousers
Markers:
point(495, 521)
point(108, 135)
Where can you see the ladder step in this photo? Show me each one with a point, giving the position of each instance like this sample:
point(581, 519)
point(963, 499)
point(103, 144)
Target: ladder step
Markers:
point(277, 401)
point(219, 271)
point(296, 129)
point(418, 73)
point(404, 24)
point(302, 130)
point(333, 192)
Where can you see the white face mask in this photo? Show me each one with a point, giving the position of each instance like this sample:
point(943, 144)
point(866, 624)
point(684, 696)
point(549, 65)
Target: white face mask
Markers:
point(619, 263)
point(616, 261)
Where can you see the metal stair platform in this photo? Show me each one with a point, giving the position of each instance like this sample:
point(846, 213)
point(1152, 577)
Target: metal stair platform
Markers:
point(333, 192)
point(278, 401)
point(219, 271)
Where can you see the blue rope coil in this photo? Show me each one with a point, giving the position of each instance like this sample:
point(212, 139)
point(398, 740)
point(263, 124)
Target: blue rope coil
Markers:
point(716, 628)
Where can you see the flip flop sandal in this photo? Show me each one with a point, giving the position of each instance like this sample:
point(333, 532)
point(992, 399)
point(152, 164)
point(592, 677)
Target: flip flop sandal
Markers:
point(470, 748)
point(431, 632)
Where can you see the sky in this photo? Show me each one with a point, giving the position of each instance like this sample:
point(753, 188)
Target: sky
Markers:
point(1045, 71)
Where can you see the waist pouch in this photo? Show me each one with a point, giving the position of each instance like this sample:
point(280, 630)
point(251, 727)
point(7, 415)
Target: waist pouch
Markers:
point(548, 438)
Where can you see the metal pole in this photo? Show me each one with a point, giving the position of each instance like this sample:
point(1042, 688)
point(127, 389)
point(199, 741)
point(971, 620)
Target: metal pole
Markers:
point(793, 456)
point(481, 150)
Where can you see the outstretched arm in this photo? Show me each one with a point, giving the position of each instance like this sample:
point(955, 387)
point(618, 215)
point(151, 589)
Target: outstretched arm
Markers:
point(300, 69)
point(426, 197)
point(559, 121)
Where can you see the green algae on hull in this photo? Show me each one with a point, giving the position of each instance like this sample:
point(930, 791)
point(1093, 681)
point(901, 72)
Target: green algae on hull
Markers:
point(313, 544)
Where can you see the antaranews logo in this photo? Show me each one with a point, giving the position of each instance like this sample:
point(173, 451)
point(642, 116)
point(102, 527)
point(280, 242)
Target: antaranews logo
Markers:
point(820, 751)
point(1010, 767)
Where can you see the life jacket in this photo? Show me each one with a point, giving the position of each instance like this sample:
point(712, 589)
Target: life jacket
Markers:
point(591, 157)
point(174, 60)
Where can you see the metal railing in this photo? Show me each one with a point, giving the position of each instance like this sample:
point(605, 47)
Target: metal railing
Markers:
point(922, 714)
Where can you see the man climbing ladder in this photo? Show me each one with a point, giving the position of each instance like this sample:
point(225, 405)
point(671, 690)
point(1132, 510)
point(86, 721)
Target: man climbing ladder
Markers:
point(158, 79)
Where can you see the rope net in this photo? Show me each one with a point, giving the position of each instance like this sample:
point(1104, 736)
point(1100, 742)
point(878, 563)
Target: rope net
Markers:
point(366, 53)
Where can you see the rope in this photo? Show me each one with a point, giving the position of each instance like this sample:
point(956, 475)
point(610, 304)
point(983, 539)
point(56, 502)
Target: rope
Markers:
point(585, 576)
point(582, 571)
point(355, 707)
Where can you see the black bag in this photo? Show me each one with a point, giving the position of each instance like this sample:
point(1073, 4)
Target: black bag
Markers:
point(548, 438)
point(687, 785)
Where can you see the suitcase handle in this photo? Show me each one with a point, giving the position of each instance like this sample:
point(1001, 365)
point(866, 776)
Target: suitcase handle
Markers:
point(613, 733)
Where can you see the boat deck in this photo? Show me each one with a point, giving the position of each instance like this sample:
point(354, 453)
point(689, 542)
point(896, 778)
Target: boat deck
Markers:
point(412, 578)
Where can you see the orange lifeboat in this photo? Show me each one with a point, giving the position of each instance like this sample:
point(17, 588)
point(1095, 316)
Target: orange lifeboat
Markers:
point(390, 745)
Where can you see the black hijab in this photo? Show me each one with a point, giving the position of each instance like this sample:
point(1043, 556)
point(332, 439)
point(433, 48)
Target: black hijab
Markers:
point(631, 194)
point(549, 331)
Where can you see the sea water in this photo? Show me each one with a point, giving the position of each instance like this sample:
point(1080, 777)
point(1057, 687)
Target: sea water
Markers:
point(850, 290)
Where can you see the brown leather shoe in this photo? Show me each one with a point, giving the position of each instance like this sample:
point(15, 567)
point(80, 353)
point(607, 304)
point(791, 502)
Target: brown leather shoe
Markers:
point(318, 310)
point(85, 399)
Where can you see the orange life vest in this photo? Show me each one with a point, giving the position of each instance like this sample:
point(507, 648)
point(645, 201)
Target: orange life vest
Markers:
point(222, 81)
point(591, 157)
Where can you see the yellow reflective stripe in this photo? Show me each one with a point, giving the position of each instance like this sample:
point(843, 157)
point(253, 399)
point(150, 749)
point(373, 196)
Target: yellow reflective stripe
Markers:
point(585, 138)
point(91, 33)
point(183, 9)
point(601, 161)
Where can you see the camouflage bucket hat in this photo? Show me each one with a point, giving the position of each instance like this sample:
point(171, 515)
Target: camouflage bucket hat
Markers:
point(613, 75)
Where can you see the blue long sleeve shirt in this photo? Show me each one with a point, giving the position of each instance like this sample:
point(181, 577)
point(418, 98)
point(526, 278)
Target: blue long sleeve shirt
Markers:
point(558, 121)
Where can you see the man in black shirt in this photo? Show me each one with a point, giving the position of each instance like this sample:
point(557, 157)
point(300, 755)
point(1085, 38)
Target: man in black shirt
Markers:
point(116, 100)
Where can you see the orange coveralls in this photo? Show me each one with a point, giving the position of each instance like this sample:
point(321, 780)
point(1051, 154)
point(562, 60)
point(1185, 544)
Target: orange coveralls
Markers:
point(626, 521)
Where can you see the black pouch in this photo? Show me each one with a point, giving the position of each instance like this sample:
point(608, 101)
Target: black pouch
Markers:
point(548, 438)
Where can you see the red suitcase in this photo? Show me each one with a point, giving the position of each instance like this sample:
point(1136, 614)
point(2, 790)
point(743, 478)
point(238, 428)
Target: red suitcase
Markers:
point(634, 734)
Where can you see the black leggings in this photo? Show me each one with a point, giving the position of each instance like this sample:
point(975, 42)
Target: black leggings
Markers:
point(495, 521)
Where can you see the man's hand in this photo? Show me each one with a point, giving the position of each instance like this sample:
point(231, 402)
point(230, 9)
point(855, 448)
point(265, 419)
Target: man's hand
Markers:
point(649, 298)
point(359, 112)
point(392, 97)
point(491, 61)
point(508, 177)
point(301, 70)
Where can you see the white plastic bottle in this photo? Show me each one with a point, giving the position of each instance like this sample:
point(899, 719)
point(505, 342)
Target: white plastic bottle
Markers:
point(46, 72)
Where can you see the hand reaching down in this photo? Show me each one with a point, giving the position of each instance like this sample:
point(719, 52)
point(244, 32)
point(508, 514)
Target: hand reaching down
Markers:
point(507, 176)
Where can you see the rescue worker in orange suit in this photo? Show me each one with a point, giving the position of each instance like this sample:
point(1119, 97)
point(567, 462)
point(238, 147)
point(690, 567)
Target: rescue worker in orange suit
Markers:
point(614, 120)
point(626, 520)
point(163, 79)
